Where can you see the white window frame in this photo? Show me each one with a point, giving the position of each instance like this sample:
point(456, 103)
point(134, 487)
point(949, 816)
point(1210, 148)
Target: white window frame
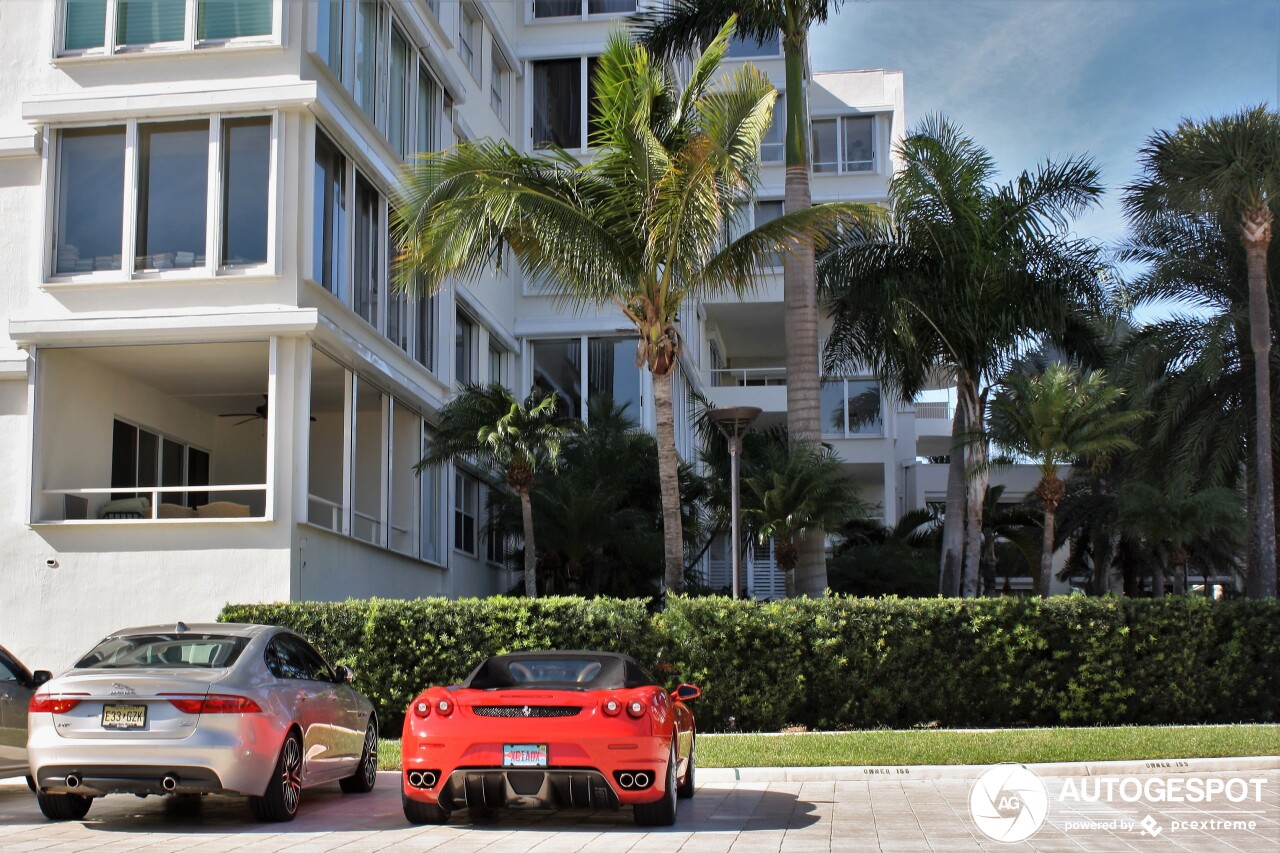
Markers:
point(583, 15)
point(780, 122)
point(460, 480)
point(842, 167)
point(187, 43)
point(470, 37)
point(128, 271)
point(584, 80)
point(584, 371)
point(844, 406)
point(500, 89)
point(747, 57)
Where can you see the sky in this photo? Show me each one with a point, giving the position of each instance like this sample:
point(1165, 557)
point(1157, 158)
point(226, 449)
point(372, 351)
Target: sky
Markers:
point(1037, 79)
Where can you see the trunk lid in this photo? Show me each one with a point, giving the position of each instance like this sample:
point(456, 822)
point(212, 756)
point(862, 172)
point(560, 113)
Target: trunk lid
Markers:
point(130, 703)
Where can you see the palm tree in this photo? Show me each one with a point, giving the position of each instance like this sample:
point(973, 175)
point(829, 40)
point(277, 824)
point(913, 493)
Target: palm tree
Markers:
point(797, 489)
point(487, 425)
point(1055, 418)
point(1230, 167)
point(640, 225)
point(964, 275)
point(681, 26)
point(1171, 521)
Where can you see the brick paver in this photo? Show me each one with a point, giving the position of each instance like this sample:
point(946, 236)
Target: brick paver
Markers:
point(742, 817)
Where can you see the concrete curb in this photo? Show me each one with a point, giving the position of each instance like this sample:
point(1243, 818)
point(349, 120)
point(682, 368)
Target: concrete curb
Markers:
point(1162, 766)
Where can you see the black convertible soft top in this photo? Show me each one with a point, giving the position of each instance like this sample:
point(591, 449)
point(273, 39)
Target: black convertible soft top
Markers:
point(573, 670)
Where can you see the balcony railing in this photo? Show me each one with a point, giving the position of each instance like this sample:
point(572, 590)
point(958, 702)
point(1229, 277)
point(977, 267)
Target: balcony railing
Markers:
point(741, 377)
point(145, 504)
point(934, 411)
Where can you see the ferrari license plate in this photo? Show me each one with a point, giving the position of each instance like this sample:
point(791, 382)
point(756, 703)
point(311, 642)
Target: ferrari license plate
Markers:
point(524, 755)
point(124, 716)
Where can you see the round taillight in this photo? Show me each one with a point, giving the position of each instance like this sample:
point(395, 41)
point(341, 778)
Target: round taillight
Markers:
point(422, 708)
point(635, 708)
point(611, 707)
point(444, 707)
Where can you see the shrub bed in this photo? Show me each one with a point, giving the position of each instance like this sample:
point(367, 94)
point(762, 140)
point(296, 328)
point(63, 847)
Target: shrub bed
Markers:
point(841, 662)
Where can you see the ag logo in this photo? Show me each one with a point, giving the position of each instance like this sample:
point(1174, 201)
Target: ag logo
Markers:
point(1009, 803)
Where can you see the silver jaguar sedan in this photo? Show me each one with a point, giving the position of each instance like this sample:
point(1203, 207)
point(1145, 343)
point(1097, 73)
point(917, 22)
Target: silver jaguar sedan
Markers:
point(251, 710)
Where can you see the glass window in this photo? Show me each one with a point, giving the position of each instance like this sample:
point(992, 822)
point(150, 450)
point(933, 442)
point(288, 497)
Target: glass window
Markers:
point(429, 545)
point(773, 147)
point(428, 112)
point(495, 544)
point(863, 397)
point(246, 168)
point(368, 250)
point(469, 38)
point(173, 183)
point(330, 218)
point(497, 366)
point(398, 93)
point(426, 312)
point(464, 356)
point(612, 372)
point(557, 103)
point(368, 463)
point(329, 20)
point(832, 399)
point(466, 493)
point(826, 151)
point(557, 366)
point(84, 25)
point(150, 21)
point(858, 150)
point(743, 46)
point(204, 651)
point(498, 92)
point(557, 8)
point(398, 318)
point(328, 433)
point(610, 7)
point(368, 25)
point(227, 19)
point(7, 674)
point(767, 211)
point(406, 444)
point(197, 475)
point(90, 200)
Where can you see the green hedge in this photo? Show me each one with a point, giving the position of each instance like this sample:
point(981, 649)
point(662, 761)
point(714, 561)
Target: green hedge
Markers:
point(844, 662)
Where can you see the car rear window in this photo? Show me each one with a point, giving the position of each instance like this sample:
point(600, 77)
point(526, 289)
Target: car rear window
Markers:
point(164, 651)
point(586, 672)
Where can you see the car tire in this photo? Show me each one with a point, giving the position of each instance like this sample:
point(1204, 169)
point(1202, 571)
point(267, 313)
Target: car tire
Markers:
point(63, 806)
point(284, 790)
point(663, 812)
point(416, 812)
point(686, 789)
point(362, 781)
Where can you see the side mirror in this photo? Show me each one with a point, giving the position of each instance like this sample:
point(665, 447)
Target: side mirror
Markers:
point(40, 676)
point(344, 673)
point(685, 692)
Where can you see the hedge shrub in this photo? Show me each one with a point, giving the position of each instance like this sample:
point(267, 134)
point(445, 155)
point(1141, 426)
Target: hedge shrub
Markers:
point(843, 662)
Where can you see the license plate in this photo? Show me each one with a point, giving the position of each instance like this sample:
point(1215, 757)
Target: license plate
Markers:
point(524, 755)
point(124, 716)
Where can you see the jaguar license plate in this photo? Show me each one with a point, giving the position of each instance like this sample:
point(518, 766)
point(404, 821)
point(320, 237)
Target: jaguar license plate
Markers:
point(124, 716)
point(524, 755)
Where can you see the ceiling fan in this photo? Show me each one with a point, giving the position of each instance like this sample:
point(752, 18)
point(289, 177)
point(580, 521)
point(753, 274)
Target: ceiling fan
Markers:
point(258, 412)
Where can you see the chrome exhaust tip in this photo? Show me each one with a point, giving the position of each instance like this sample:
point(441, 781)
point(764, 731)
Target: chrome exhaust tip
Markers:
point(642, 780)
point(169, 782)
point(72, 781)
point(428, 779)
point(626, 780)
point(415, 779)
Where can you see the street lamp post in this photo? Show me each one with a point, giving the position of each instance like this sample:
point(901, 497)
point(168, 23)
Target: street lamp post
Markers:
point(734, 423)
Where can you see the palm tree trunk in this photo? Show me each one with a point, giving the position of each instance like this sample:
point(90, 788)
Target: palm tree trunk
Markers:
point(976, 477)
point(1256, 226)
point(530, 552)
point(1157, 579)
point(953, 518)
point(669, 481)
point(1046, 550)
point(800, 297)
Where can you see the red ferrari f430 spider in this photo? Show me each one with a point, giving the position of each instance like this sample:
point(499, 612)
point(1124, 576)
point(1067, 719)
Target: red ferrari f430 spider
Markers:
point(559, 729)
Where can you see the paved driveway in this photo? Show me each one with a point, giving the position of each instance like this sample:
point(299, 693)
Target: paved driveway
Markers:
point(743, 817)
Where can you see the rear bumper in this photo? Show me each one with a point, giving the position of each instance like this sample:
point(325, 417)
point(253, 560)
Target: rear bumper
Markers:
point(100, 780)
point(496, 787)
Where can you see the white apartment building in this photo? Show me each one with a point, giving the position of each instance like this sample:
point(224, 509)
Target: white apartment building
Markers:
point(209, 392)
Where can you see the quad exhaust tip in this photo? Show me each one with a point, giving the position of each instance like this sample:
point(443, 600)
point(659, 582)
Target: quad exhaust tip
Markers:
point(169, 782)
point(634, 780)
point(423, 778)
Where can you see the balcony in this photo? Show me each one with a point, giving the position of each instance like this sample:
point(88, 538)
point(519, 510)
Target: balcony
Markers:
point(763, 387)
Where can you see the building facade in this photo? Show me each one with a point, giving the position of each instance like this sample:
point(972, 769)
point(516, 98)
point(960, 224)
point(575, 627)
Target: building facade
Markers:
point(209, 391)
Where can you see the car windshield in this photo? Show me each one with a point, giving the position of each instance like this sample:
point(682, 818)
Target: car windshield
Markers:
point(560, 671)
point(165, 651)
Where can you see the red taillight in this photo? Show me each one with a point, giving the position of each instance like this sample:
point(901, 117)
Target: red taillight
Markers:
point(422, 708)
point(444, 707)
point(635, 708)
point(214, 703)
point(611, 707)
point(54, 703)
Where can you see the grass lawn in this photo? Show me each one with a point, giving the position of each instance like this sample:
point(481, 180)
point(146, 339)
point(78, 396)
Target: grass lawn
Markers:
point(962, 746)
